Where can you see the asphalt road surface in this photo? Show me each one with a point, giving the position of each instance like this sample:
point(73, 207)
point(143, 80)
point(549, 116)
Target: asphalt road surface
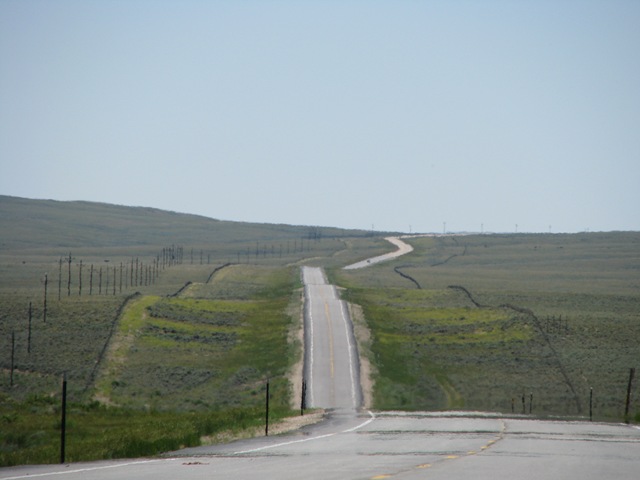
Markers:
point(331, 356)
point(403, 248)
point(392, 445)
point(354, 444)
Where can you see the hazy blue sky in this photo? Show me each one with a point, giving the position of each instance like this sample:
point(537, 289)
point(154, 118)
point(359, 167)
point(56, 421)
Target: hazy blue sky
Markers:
point(397, 114)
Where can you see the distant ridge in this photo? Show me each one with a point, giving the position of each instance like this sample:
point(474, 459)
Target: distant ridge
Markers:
point(29, 223)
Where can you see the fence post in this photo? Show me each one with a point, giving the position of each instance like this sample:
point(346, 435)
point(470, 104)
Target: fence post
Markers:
point(266, 427)
point(632, 372)
point(29, 331)
point(13, 356)
point(63, 421)
point(44, 313)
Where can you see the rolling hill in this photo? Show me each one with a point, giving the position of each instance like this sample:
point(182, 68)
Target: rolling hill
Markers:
point(27, 223)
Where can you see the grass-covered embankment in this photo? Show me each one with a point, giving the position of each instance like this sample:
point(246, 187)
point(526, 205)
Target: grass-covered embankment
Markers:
point(548, 315)
point(433, 351)
point(177, 369)
point(200, 351)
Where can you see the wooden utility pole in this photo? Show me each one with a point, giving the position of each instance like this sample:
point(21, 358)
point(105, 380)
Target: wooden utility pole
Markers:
point(59, 278)
point(69, 277)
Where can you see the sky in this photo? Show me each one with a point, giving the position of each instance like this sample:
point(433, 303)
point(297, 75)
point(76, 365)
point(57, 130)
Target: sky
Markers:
point(411, 116)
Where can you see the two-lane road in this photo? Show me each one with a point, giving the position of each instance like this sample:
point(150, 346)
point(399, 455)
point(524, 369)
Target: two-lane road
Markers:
point(394, 445)
point(331, 356)
point(403, 249)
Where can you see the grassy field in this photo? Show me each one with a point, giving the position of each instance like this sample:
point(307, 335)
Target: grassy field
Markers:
point(31, 430)
point(193, 352)
point(498, 317)
point(176, 368)
point(164, 324)
point(169, 330)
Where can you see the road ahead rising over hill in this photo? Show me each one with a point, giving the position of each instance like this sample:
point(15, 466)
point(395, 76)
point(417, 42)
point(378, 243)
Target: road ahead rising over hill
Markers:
point(331, 357)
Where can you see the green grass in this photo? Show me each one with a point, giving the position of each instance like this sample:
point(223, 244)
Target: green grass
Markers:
point(187, 353)
point(176, 369)
point(30, 432)
point(435, 349)
point(138, 347)
point(428, 356)
point(176, 365)
point(82, 225)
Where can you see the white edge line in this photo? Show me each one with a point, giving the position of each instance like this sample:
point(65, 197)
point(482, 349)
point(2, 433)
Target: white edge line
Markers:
point(90, 469)
point(308, 320)
point(351, 351)
point(326, 435)
point(311, 354)
point(364, 424)
point(283, 444)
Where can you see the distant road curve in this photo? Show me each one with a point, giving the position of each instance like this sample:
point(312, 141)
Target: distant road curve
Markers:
point(403, 249)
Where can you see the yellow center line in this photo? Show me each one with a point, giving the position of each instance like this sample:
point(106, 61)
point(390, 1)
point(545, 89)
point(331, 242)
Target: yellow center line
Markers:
point(328, 316)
